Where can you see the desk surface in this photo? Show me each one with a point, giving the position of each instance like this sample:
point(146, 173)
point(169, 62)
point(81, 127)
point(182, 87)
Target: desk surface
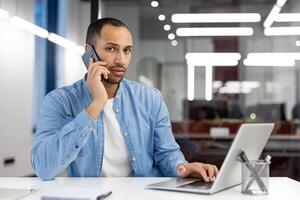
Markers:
point(134, 188)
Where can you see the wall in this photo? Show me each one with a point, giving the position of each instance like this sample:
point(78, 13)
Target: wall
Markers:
point(16, 89)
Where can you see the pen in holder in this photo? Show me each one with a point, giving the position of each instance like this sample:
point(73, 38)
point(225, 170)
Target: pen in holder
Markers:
point(255, 175)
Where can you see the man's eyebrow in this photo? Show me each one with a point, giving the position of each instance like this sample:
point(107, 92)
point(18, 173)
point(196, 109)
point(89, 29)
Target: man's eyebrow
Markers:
point(114, 44)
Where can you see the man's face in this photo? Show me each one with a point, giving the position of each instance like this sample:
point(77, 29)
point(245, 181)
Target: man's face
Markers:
point(114, 47)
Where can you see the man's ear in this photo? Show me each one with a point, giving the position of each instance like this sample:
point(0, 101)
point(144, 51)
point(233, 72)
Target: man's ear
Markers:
point(86, 46)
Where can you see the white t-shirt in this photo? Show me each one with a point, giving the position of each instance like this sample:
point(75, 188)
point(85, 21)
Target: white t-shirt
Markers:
point(115, 160)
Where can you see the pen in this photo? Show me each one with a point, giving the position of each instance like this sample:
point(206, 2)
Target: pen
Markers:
point(103, 196)
point(253, 172)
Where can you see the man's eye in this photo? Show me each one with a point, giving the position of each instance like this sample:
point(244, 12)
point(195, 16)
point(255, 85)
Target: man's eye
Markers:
point(111, 49)
point(127, 51)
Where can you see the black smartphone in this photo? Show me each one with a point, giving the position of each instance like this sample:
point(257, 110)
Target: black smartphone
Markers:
point(90, 53)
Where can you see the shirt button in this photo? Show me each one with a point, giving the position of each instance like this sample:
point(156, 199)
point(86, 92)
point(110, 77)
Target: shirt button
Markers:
point(77, 146)
point(133, 159)
point(117, 110)
point(125, 133)
point(117, 96)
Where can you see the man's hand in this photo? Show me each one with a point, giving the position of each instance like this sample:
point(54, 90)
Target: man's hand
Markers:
point(96, 71)
point(196, 170)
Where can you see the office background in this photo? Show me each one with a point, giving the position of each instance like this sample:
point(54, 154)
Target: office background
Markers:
point(203, 90)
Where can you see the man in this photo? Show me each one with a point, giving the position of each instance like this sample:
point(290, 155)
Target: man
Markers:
point(105, 125)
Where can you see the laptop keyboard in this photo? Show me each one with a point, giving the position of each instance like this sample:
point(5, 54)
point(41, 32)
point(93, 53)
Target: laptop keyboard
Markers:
point(197, 185)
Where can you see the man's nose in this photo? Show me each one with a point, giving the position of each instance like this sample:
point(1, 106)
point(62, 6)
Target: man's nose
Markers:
point(120, 58)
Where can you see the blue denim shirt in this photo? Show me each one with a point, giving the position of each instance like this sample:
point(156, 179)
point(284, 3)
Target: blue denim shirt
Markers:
point(68, 138)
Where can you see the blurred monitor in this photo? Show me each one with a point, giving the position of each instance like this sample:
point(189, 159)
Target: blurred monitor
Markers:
point(202, 109)
point(267, 112)
point(296, 111)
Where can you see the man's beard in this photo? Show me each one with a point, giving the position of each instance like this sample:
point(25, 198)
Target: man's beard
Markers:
point(112, 80)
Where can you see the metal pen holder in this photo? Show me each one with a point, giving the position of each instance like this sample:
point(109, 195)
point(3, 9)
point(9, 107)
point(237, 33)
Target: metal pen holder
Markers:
point(255, 177)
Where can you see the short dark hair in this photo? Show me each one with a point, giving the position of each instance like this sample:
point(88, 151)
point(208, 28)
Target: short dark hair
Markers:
point(96, 26)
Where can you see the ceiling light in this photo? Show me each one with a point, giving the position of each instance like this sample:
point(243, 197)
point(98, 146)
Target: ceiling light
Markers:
point(3, 14)
point(239, 87)
point(217, 84)
point(298, 43)
point(154, 4)
point(230, 31)
point(214, 18)
point(281, 3)
point(208, 82)
point(234, 89)
point(271, 63)
point(287, 17)
point(214, 59)
point(171, 36)
point(161, 17)
point(274, 31)
point(191, 82)
point(174, 43)
point(167, 27)
point(275, 55)
point(21, 23)
point(272, 15)
point(61, 41)
point(222, 63)
point(213, 56)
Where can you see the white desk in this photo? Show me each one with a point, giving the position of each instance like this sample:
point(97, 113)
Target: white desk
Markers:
point(133, 188)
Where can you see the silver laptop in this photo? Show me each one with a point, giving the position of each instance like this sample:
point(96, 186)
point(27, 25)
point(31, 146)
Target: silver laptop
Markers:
point(251, 138)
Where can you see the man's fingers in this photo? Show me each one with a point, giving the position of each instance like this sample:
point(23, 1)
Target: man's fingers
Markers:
point(211, 171)
point(100, 63)
point(198, 168)
point(94, 66)
point(216, 170)
point(99, 72)
point(90, 64)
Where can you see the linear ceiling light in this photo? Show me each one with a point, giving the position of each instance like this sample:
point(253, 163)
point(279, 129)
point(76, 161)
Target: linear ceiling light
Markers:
point(61, 41)
point(270, 62)
point(212, 56)
point(230, 31)
point(272, 15)
point(215, 18)
point(275, 55)
point(281, 3)
point(208, 60)
point(208, 82)
point(287, 17)
point(190, 82)
point(29, 27)
point(275, 31)
point(3, 14)
point(218, 62)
